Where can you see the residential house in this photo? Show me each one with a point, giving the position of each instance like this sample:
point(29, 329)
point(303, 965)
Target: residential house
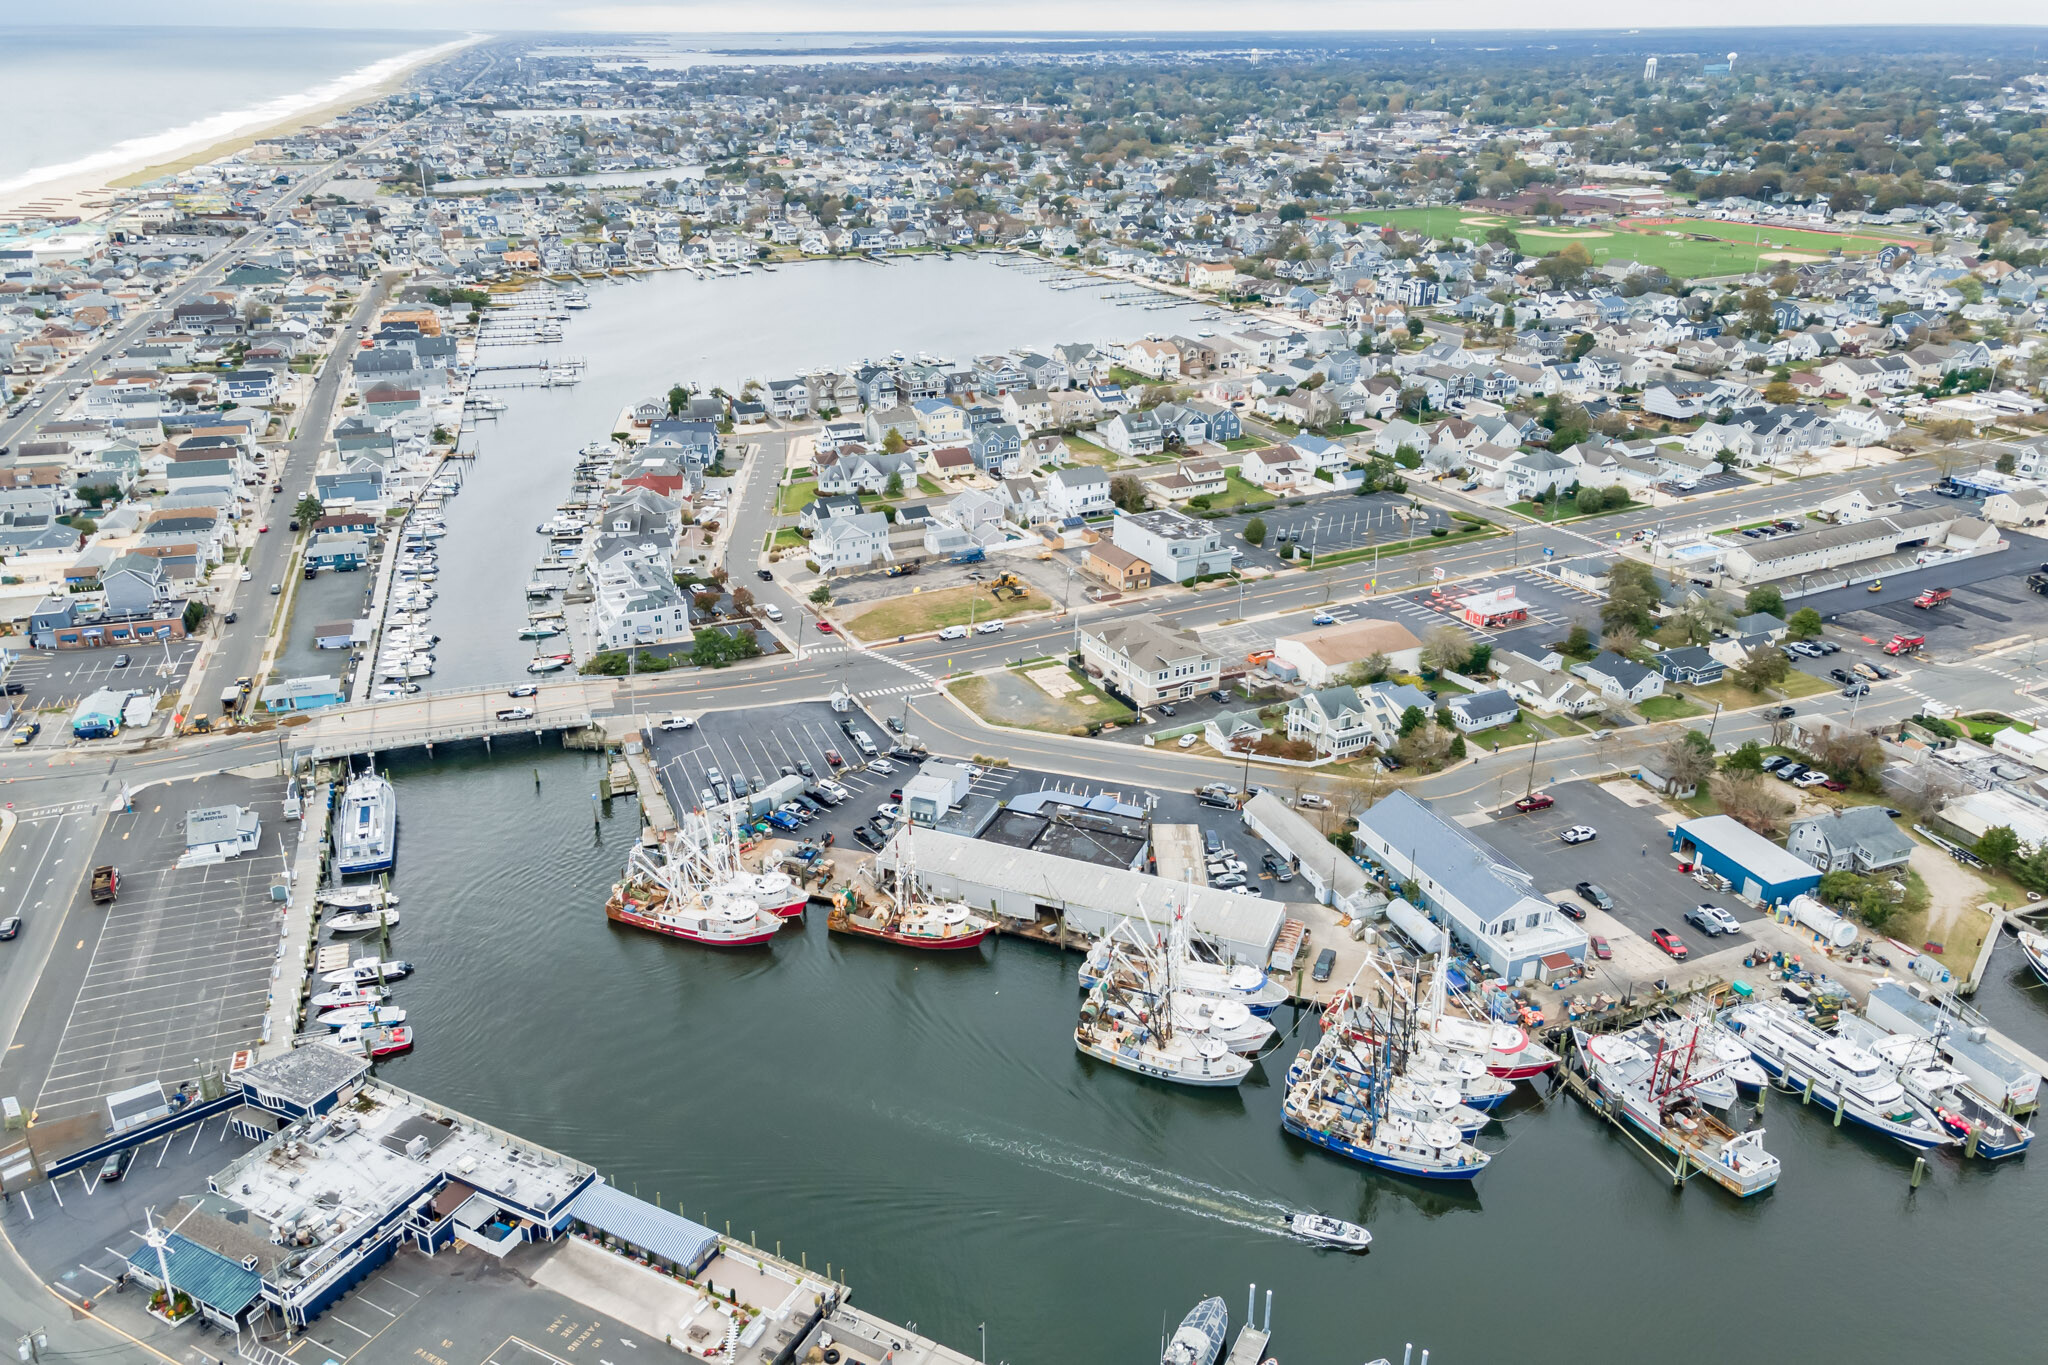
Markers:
point(1853, 839)
point(1133, 433)
point(1277, 469)
point(1621, 679)
point(1472, 712)
point(1117, 567)
point(1539, 685)
point(1082, 491)
point(1693, 664)
point(853, 542)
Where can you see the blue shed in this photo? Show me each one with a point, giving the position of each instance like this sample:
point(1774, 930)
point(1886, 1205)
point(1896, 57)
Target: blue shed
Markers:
point(1752, 864)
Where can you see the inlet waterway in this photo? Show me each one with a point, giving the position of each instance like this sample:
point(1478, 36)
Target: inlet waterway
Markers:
point(638, 338)
point(924, 1124)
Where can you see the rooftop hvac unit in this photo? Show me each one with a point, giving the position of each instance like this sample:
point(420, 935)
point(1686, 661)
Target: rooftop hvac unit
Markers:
point(416, 1146)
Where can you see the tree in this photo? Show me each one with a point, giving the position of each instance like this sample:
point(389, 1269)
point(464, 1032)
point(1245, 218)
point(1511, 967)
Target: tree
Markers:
point(1747, 758)
point(821, 594)
point(1699, 618)
point(195, 613)
point(1631, 596)
point(1375, 667)
point(1411, 719)
point(1688, 761)
point(678, 399)
point(1764, 597)
point(1621, 640)
point(1746, 798)
point(1481, 658)
point(1127, 492)
point(1804, 624)
point(1580, 640)
point(1761, 668)
point(894, 444)
point(1998, 846)
point(1255, 532)
point(309, 509)
point(742, 598)
point(716, 649)
point(2006, 463)
point(1446, 648)
point(894, 487)
point(1457, 750)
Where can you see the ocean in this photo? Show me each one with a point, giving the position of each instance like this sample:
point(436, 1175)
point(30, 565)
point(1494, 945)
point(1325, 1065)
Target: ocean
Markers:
point(99, 99)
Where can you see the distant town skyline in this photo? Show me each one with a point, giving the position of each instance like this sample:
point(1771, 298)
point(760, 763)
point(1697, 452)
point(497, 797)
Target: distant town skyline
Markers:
point(948, 17)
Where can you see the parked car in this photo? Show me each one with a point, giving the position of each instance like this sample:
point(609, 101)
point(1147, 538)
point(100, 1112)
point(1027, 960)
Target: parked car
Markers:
point(1841, 675)
point(1600, 947)
point(1571, 909)
point(864, 838)
point(1221, 698)
point(1228, 879)
point(1280, 868)
point(832, 757)
point(1595, 893)
point(953, 633)
point(765, 575)
point(1834, 785)
point(116, 1166)
point(120, 661)
point(824, 627)
point(1706, 919)
point(988, 628)
point(26, 731)
point(1859, 688)
point(1670, 943)
point(1535, 801)
point(1167, 710)
point(1789, 772)
point(1812, 777)
point(1187, 741)
point(1773, 762)
point(678, 723)
point(1579, 834)
point(1326, 962)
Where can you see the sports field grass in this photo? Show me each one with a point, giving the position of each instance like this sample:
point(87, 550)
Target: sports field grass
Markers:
point(1665, 243)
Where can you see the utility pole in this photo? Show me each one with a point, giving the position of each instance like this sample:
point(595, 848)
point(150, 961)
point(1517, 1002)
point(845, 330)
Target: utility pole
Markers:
point(1530, 788)
point(31, 1345)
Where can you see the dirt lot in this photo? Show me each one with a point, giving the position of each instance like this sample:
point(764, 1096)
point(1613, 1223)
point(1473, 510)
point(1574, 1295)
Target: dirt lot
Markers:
point(917, 612)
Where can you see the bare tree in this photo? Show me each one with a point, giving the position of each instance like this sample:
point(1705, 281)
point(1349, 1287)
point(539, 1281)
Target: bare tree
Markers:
point(1749, 800)
point(1446, 648)
point(1621, 639)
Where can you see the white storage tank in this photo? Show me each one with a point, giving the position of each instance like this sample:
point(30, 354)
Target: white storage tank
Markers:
point(1833, 929)
point(1420, 929)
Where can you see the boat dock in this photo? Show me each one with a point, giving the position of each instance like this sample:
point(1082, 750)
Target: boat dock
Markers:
point(1252, 1338)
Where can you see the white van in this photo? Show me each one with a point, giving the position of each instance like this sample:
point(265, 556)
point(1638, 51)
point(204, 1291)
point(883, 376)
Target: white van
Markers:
point(953, 633)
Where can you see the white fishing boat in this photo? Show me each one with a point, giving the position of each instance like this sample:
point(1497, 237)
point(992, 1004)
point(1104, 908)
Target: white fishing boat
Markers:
point(1425, 1150)
point(1406, 1096)
point(361, 1015)
point(662, 896)
point(341, 997)
point(540, 630)
point(2034, 946)
point(1984, 1128)
point(1843, 1076)
point(1141, 1032)
point(367, 969)
point(1241, 982)
point(1327, 1231)
point(1199, 1338)
point(366, 825)
point(357, 921)
point(354, 897)
point(1652, 1091)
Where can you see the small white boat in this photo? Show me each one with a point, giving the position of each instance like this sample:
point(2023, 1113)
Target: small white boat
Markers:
point(355, 922)
point(362, 1015)
point(1329, 1232)
point(547, 663)
point(367, 969)
point(1199, 1338)
point(341, 997)
point(354, 898)
point(2035, 947)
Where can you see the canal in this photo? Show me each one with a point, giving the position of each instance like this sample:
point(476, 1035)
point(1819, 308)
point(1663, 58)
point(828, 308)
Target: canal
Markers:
point(638, 338)
point(925, 1125)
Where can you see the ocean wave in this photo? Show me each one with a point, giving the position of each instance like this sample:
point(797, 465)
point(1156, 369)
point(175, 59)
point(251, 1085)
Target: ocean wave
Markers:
point(136, 152)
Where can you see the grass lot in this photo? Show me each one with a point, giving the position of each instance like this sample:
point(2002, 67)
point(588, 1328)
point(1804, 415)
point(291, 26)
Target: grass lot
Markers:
point(1087, 452)
point(1396, 550)
point(1010, 698)
point(1507, 736)
point(786, 538)
point(1669, 708)
point(918, 612)
point(1547, 512)
point(1985, 724)
point(1239, 493)
point(1804, 685)
point(792, 498)
point(1244, 443)
point(1735, 249)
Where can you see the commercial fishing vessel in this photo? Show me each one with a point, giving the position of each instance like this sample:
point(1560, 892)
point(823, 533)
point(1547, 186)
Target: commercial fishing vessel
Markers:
point(1144, 1032)
point(1653, 1092)
point(366, 827)
point(660, 897)
point(1843, 1076)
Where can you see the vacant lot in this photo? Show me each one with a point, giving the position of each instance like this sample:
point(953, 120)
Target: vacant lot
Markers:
point(918, 612)
point(1010, 698)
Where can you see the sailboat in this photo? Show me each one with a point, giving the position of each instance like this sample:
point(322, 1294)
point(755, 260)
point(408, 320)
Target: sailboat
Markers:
point(906, 918)
point(1141, 1033)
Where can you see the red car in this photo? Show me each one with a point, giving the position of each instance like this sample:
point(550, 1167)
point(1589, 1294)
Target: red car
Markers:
point(263, 529)
point(824, 627)
point(1600, 948)
point(1834, 786)
point(1670, 943)
point(1535, 801)
point(832, 757)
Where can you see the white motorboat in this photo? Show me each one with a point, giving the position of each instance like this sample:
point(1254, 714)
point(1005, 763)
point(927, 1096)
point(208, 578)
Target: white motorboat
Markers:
point(341, 997)
point(1199, 1338)
point(354, 897)
point(2035, 948)
point(357, 921)
point(365, 970)
point(359, 1015)
point(1326, 1231)
point(1985, 1129)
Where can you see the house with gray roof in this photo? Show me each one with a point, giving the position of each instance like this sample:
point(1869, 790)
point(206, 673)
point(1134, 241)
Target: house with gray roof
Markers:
point(1852, 839)
point(1619, 678)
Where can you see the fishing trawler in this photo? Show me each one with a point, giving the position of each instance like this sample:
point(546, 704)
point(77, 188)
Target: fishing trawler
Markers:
point(906, 918)
point(1653, 1091)
point(1141, 1032)
point(1241, 982)
point(366, 827)
point(661, 898)
point(1984, 1128)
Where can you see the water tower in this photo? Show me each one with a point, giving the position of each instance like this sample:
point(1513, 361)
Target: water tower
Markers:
point(1731, 63)
point(1650, 69)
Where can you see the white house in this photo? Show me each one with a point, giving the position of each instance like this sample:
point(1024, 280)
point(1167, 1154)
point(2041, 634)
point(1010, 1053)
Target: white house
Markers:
point(1081, 491)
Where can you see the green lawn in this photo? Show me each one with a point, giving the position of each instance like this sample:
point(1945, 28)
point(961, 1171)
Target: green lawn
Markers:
point(792, 498)
point(787, 538)
point(1244, 443)
point(1669, 708)
point(1239, 493)
point(928, 488)
point(1799, 684)
point(1507, 736)
point(1395, 549)
point(1667, 245)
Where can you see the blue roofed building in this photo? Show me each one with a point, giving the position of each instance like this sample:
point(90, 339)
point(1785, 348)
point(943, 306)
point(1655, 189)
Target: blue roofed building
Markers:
point(668, 1240)
point(221, 1290)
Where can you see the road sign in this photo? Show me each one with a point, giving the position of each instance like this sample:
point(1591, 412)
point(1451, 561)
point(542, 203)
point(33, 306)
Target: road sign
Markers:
point(1437, 573)
point(1548, 551)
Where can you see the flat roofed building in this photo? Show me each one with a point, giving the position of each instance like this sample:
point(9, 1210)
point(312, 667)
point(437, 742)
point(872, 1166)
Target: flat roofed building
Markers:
point(1322, 656)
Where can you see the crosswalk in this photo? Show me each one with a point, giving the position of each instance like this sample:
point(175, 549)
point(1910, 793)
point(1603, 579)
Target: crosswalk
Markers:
point(917, 688)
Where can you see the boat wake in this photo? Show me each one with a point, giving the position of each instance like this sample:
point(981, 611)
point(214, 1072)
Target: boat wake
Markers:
point(1154, 1185)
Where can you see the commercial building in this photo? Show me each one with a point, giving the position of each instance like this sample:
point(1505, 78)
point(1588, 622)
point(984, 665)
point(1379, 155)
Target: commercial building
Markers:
point(1322, 656)
point(1173, 544)
point(1487, 904)
point(1835, 547)
point(1757, 868)
point(1028, 887)
point(224, 831)
point(1146, 663)
point(931, 795)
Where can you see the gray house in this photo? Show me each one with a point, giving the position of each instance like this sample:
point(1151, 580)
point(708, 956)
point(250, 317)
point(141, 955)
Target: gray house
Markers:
point(1853, 839)
point(1475, 711)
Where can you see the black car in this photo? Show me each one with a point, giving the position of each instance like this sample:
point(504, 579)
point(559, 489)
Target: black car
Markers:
point(764, 575)
point(10, 927)
point(1571, 909)
point(1326, 962)
point(120, 661)
point(1841, 675)
point(803, 766)
point(1224, 697)
point(116, 1166)
point(895, 723)
point(14, 689)
point(1778, 713)
point(230, 618)
point(866, 840)
point(1595, 893)
point(1166, 710)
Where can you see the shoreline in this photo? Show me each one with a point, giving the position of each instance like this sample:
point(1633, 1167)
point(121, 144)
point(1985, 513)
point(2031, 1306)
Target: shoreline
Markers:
point(87, 192)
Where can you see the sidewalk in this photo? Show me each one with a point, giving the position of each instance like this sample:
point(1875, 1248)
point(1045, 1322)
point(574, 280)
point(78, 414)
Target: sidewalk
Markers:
point(289, 975)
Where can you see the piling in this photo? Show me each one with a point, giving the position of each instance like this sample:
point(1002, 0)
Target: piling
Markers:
point(1807, 1098)
point(1839, 1106)
point(1919, 1170)
point(1970, 1142)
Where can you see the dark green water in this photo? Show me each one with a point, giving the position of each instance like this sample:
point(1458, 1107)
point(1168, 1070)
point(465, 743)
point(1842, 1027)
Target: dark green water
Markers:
point(924, 1124)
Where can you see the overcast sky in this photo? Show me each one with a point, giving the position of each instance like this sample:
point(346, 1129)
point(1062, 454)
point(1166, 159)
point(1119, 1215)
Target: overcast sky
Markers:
point(971, 16)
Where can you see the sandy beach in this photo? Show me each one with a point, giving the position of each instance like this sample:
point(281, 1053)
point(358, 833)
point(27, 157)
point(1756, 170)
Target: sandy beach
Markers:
point(88, 193)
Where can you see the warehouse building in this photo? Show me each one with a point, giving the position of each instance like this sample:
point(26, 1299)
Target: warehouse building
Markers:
point(1028, 886)
point(1750, 863)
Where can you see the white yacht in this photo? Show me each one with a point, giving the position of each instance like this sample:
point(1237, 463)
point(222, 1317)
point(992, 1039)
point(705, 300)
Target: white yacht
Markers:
point(1843, 1076)
point(366, 826)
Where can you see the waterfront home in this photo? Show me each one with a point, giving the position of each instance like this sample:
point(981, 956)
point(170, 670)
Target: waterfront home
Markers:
point(1132, 434)
point(1621, 679)
point(342, 552)
point(940, 422)
point(1144, 662)
point(1080, 491)
point(694, 441)
point(303, 694)
point(637, 603)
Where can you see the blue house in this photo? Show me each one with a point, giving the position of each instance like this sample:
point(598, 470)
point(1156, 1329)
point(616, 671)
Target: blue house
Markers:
point(248, 386)
point(696, 441)
point(350, 485)
point(1691, 664)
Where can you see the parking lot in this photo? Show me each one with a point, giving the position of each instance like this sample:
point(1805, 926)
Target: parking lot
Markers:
point(1630, 859)
point(177, 971)
point(1331, 524)
point(758, 742)
point(55, 681)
